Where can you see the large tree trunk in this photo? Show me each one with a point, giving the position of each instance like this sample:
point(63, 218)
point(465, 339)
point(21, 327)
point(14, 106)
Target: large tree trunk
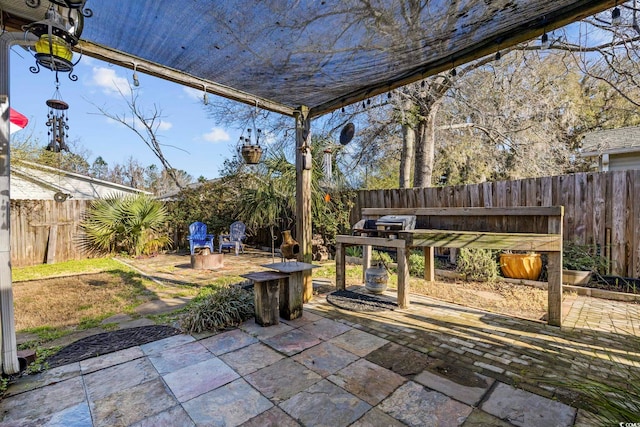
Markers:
point(406, 157)
point(425, 148)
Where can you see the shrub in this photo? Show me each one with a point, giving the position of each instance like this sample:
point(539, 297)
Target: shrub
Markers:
point(384, 258)
point(218, 308)
point(583, 258)
point(416, 264)
point(354, 251)
point(477, 264)
point(131, 224)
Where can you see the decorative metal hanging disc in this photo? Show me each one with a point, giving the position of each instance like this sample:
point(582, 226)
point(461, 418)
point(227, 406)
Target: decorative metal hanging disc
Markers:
point(57, 104)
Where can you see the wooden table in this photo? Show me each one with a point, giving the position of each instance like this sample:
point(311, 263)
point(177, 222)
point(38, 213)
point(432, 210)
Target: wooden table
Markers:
point(292, 294)
point(266, 291)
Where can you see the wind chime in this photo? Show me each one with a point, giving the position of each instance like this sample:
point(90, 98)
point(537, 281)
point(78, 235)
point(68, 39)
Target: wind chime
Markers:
point(57, 122)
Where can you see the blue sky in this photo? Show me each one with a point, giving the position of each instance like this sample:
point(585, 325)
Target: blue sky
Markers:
point(184, 124)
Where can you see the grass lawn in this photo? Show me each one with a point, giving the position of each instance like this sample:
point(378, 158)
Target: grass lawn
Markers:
point(54, 300)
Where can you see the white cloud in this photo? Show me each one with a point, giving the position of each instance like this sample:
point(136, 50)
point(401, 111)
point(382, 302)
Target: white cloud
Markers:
point(217, 134)
point(165, 125)
point(109, 81)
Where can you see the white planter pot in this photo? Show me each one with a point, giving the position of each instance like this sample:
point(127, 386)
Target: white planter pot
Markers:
point(575, 277)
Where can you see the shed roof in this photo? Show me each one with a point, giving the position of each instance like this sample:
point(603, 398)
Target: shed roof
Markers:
point(33, 181)
point(284, 54)
point(612, 141)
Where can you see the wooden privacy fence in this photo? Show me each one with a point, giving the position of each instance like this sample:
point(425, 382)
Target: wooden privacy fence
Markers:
point(599, 208)
point(45, 231)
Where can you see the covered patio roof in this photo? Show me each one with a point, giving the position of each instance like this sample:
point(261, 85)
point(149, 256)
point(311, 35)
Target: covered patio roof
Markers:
point(280, 55)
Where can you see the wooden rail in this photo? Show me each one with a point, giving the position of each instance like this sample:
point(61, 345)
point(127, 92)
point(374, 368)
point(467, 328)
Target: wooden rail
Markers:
point(487, 228)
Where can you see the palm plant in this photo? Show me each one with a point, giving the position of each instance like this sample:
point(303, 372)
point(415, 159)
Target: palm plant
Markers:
point(131, 224)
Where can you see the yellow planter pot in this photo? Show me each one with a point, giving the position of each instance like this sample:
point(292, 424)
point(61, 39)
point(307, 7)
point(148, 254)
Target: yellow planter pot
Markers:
point(521, 266)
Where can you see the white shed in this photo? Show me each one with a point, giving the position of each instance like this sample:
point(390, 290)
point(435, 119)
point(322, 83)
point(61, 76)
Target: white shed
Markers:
point(613, 149)
point(32, 181)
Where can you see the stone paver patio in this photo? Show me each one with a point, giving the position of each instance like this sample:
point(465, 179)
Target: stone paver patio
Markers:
point(434, 364)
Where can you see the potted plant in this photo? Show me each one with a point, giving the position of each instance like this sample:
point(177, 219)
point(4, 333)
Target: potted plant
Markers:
point(579, 262)
point(521, 265)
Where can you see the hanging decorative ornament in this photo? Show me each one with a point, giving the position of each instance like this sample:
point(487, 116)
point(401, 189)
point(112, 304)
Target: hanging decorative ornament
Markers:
point(56, 36)
point(57, 121)
point(250, 152)
point(347, 133)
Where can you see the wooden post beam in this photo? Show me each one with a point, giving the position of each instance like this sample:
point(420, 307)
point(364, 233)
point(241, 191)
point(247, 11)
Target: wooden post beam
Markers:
point(303, 196)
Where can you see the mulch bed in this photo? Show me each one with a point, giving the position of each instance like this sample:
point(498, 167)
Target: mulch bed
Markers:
point(109, 342)
point(354, 301)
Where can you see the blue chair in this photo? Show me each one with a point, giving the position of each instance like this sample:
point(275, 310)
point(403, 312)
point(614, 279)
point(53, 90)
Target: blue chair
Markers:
point(234, 238)
point(198, 237)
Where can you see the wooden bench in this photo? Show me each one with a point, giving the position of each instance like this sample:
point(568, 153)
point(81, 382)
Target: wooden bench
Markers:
point(532, 228)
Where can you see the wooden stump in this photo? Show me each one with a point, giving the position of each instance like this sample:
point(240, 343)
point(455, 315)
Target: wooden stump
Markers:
point(207, 262)
point(266, 291)
point(291, 296)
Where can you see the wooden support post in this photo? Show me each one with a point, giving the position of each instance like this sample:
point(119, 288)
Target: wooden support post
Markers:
point(403, 277)
point(303, 195)
point(554, 273)
point(429, 264)
point(340, 266)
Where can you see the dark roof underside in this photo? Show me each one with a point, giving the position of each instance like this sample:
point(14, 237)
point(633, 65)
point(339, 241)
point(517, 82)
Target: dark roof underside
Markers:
point(319, 54)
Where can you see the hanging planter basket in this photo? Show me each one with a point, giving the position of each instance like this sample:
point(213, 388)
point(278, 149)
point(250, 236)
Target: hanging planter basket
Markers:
point(251, 154)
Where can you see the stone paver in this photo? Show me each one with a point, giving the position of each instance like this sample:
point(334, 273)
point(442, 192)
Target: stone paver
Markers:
point(523, 408)
point(41, 404)
point(370, 382)
point(325, 329)
point(416, 406)
point(133, 404)
point(282, 380)
point(194, 380)
point(171, 417)
point(325, 358)
point(164, 344)
point(358, 342)
point(470, 395)
point(111, 380)
point(175, 358)
point(230, 405)
point(376, 418)
point(111, 359)
point(292, 342)
point(252, 358)
point(274, 417)
point(325, 405)
point(228, 341)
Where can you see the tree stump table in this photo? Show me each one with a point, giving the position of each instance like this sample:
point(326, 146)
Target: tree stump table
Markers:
point(207, 262)
point(292, 294)
point(266, 291)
